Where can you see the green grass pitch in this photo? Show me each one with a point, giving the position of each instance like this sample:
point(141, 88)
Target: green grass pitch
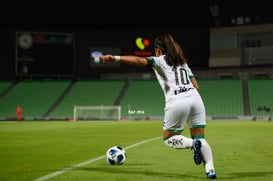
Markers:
point(69, 151)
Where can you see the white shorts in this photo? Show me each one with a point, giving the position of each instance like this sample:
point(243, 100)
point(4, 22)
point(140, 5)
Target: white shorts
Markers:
point(189, 109)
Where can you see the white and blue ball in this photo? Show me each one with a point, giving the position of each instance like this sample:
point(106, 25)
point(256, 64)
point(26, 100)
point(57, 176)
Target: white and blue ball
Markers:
point(116, 155)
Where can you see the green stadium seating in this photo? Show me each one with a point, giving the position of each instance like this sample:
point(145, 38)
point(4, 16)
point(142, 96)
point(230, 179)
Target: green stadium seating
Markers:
point(35, 97)
point(5, 85)
point(222, 97)
point(138, 98)
point(261, 97)
point(88, 93)
point(144, 98)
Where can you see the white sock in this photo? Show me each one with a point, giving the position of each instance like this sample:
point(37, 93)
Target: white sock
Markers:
point(179, 141)
point(207, 155)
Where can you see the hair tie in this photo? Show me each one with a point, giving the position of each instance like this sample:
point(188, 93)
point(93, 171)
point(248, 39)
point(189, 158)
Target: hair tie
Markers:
point(158, 46)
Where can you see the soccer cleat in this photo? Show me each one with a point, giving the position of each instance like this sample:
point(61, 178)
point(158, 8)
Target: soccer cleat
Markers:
point(211, 174)
point(197, 155)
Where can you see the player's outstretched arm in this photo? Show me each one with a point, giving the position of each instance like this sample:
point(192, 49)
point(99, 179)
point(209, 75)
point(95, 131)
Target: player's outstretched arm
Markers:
point(127, 59)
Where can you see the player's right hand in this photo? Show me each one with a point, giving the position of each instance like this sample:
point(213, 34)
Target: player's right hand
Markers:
point(107, 58)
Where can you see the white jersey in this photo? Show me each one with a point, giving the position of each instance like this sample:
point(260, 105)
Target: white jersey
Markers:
point(173, 81)
point(183, 103)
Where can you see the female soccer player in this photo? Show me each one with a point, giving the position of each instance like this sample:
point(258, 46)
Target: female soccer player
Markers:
point(183, 103)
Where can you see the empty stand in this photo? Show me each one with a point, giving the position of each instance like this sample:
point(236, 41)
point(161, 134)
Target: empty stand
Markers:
point(139, 99)
point(222, 97)
point(88, 93)
point(35, 97)
point(4, 85)
point(144, 98)
point(261, 96)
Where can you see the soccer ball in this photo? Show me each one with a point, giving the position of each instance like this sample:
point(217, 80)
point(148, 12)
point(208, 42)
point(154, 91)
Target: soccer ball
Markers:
point(115, 155)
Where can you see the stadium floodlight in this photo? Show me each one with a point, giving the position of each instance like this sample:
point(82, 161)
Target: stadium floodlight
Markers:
point(97, 113)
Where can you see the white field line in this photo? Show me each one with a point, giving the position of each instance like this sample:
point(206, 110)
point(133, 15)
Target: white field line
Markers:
point(54, 174)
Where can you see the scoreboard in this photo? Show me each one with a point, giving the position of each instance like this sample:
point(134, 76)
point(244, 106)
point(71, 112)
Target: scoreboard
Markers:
point(44, 54)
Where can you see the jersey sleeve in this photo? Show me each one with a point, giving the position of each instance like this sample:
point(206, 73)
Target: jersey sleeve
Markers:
point(151, 62)
point(156, 61)
point(191, 75)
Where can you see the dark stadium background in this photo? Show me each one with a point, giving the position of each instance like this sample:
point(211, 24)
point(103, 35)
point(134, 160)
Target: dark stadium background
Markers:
point(113, 24)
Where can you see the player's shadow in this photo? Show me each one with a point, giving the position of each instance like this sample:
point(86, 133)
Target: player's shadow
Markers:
point(242, 175)
point(134, 171)
point(251, 174)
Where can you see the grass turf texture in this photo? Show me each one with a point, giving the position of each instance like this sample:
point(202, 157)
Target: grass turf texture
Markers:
point(29, 150)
